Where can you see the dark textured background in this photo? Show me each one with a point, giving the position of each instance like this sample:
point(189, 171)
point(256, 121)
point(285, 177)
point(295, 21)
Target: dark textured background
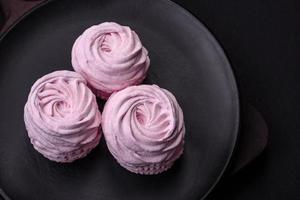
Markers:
point(262, 41)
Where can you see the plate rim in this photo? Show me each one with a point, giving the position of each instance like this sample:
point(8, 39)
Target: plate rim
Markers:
point(216, 45)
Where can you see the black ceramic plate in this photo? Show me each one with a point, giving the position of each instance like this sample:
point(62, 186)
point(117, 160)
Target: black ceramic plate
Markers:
point(185, 59)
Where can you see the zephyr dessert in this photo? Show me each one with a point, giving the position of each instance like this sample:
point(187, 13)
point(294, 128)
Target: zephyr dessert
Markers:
point(143, 125)
point(110, 57)
point(62, 116)
point(144, 128)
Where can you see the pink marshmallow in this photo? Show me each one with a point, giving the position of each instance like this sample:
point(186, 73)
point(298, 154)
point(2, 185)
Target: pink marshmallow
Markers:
point(110, 57)
point(144, 128)
point(62, 117)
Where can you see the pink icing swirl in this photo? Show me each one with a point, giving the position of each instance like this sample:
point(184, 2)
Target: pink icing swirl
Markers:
point(144, 128)
point(62, 117)
point(110, 57)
